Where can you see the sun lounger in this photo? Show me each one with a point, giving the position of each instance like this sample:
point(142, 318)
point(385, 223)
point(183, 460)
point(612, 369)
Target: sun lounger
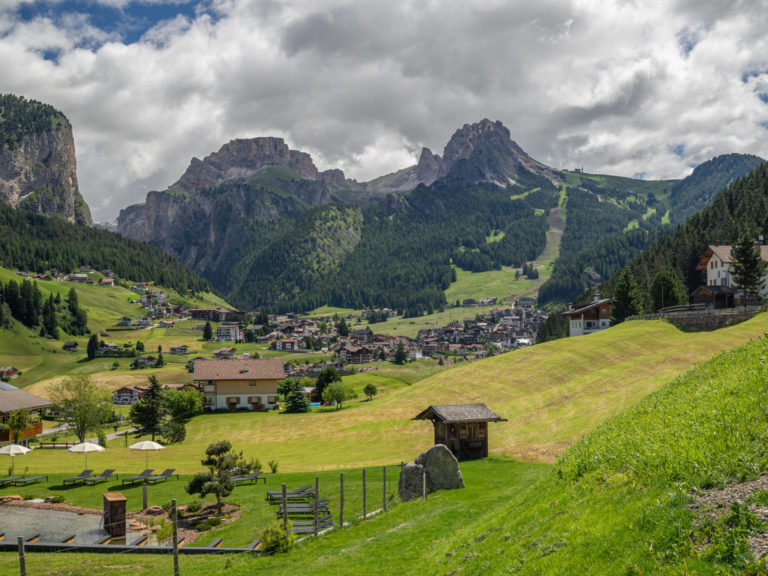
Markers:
point(257, 475)
point(139, 477)
point(298, 494)
point(79, 478)
point(164, 476)
point(29, 480)
point(9, 480)
point(103, 477)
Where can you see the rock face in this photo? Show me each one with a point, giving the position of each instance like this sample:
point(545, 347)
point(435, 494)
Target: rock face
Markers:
point(243, 159)
point(205, 217)
point(442, 470)
point(481, 152)
point(38, 171)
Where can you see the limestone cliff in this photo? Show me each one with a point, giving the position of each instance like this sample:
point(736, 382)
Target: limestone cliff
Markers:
point(38, 171)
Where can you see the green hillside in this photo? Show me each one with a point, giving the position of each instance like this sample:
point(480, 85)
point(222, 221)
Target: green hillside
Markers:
point(618, 502)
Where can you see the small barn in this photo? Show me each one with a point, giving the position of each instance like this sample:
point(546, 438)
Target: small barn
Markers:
point(463, 428)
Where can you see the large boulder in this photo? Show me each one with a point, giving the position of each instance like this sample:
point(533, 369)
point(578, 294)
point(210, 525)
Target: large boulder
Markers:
point(442, 473)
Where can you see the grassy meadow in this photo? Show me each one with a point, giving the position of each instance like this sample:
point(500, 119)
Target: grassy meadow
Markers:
point(617, 502)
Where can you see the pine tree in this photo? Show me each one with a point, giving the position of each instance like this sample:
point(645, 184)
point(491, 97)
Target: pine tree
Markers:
point(627, 298)
point(147, 414)
point(93, 346)
point(207, 331)
point(667, 289)
point(748, 268)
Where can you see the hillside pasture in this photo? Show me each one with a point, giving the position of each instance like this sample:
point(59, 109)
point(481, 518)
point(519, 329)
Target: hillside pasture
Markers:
point(551, 394)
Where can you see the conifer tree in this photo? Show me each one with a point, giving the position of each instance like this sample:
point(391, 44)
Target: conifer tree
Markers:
point(627, 298)
point(748, 268)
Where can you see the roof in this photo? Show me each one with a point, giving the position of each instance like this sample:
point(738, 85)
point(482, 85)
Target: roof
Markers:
point(12, 399)
point(243, 369)
point(460, 413)
point(589, 306)
point(723, 252)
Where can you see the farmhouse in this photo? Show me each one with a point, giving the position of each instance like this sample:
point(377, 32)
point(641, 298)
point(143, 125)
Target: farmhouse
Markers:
point(8, 372)
point(12, 400)
point(720, 290)
point(593, 317)
point(463, 428)
point(246, 384)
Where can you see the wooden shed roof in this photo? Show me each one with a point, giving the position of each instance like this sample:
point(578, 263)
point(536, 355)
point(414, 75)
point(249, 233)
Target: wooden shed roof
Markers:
point(460, 413)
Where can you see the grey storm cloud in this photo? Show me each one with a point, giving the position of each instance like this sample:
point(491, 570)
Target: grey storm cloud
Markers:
point(623, 87)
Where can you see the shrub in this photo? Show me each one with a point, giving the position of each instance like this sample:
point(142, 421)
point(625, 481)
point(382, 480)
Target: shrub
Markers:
point(273, 466)
point(58, 499)
point(203, 526)
point(277, 538)
point(194, 507)
point(214, 521)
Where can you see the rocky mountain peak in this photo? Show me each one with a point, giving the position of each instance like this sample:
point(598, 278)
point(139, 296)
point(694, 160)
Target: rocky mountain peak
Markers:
point(38, 171)
point(489, 154)
point(242, 158)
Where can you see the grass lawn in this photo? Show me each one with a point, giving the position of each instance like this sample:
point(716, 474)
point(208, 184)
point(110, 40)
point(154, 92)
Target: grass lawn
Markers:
point(551, 395)
point(612, 506)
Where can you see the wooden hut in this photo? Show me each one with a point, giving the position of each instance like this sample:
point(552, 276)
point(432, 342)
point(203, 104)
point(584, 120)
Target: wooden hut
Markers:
point(463, 428)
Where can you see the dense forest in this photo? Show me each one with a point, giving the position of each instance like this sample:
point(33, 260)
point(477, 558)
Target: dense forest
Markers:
point(401, 257)
point(20, 117)
point(742, 208)
point(609, 223)
point(38, 243)
point(699, 190)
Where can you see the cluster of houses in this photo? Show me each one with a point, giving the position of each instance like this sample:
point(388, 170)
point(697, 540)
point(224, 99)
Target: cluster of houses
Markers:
point(719, 291)
point(499, 330)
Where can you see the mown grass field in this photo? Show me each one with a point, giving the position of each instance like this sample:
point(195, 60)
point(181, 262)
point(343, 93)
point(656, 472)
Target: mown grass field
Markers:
point(616, 503)
point(551, 394)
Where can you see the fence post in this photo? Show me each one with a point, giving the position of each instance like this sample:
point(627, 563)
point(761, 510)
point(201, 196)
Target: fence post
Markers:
point(364, 502)
point(175, 519)
point(144, 487)
point(317, 498)
point(341, 500)
point(384, 488)
point(424, 484)
point(285, 507)
point(22, 559)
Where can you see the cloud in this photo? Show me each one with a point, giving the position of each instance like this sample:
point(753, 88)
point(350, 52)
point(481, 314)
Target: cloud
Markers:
point(622, 87)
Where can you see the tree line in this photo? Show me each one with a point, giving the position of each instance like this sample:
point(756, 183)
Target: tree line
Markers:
point(39, 243)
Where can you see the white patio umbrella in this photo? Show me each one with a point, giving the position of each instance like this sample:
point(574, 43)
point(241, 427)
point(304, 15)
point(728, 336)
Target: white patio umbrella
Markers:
point(85, 447)
point(146, 445)
point(14, 450)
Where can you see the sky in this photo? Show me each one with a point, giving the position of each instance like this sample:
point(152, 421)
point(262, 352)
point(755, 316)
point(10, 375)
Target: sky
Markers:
point(639, 88)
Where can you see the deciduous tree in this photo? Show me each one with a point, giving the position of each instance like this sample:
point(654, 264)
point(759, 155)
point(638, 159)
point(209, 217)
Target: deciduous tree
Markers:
point(84, 405)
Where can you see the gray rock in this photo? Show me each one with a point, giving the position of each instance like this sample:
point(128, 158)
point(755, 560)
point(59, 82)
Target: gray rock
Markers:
point(442, 473)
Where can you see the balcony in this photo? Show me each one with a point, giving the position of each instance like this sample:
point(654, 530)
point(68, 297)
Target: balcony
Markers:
point(34, 430)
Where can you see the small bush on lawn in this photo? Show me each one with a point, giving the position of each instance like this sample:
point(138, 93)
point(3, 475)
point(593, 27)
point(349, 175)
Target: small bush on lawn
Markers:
point(277, 538)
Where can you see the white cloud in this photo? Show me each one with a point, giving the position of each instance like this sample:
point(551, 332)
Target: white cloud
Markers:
point(624, 87)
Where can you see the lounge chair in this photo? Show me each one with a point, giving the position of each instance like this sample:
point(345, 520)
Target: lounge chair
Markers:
point(9, 480)
point(163, 476)
point(29, 480)
point(79, 478)
point(103, 477)
point(256, 475)
point(302, 493)
point(139, 477)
